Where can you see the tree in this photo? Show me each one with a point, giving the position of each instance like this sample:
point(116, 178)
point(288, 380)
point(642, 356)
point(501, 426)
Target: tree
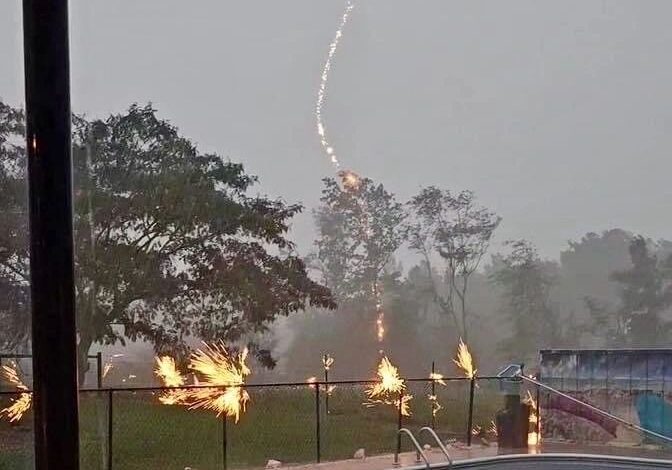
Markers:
point(456, 229)
point(168, 244)
point(526, 280)
point(645, 294)
point(360, 228)
point(14, 282)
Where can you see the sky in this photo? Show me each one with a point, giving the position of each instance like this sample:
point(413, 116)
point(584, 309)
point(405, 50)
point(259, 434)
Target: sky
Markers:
point(558, 114)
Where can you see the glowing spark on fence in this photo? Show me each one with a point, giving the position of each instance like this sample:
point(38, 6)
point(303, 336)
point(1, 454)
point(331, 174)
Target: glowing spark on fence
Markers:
point(322, 90)
point(389, 388)
point(464, 361)
point(15, 411)
point(438, 378)
point(311, 381)
point(433, 399)
point(170, 376)
point(533, 437)
point(436, 406)
point(327, 361)
point(476, 430)
point(106, 370)
point(219, 368)
point(221, 374)
point(492, 429)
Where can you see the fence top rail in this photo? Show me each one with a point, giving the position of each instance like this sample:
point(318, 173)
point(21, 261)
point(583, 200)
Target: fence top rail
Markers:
point(321, 383)
point(28, 356)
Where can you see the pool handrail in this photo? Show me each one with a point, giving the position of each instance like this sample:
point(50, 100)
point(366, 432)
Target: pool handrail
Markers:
point(418, 449)
point(439, 443)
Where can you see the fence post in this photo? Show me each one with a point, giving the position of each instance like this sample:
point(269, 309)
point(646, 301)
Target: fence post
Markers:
point(317, 422)
point(434, 399)
point(99, 369)
point(225, 456)
point(470, 421)
point(538, 425)
point(399, 420)
point(109, 429)
point(326, 389)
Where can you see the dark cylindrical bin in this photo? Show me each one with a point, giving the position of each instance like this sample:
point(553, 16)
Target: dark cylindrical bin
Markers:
point(512, 425)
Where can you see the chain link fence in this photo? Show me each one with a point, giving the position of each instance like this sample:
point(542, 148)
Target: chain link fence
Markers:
point(300, 423)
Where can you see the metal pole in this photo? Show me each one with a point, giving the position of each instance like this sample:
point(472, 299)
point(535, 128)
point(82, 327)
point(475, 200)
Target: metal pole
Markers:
point(326, 384)
point(434, 395)
point(470, 421)
point(317, 422)
point(399, 421)
point(225, 456)
point(48, 122)
point(538, 423)
point(110, 427)
point(99, 369)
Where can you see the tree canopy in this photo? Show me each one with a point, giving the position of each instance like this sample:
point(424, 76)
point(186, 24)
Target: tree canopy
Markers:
point(169, 243)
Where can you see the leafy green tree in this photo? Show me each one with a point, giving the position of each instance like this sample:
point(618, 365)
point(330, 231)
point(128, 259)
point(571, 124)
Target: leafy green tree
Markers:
point(526, 280)
point(169, 245)
point(360, 228)
point(459, 231)
point(14, 282)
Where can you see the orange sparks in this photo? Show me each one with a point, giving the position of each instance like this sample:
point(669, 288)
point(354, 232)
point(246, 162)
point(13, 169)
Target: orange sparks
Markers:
point(464, 361)
point(327, 361)
point(438, 378)
point(533, 437)
point(220, 374)
point(21, 405)
point(311, 381)
point(389, 388)
point(351, 180)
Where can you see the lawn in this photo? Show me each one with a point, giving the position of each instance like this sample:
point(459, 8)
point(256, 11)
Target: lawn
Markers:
point(280, 423)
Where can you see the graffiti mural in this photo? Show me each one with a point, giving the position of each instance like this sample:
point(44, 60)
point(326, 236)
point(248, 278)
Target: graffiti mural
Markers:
point(634, 384)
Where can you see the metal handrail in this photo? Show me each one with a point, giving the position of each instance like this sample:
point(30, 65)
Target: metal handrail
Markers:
point(440, 444)
point(595, 409)
point(418, 450)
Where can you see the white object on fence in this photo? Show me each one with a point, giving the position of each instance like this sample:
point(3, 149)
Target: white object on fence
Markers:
point(273, 464)
point(360, 454)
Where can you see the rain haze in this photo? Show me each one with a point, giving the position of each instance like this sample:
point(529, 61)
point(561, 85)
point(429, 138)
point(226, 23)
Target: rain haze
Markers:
point(300, 228)
point(557, 114)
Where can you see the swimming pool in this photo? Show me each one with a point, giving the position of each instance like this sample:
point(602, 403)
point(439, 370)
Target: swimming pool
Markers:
point(553, 462)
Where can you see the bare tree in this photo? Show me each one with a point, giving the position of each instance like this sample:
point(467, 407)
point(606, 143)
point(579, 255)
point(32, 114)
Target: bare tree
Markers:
point(453, 231)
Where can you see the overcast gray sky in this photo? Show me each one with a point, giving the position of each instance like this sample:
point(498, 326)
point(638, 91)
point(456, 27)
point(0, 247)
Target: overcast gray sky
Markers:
point(557, 113)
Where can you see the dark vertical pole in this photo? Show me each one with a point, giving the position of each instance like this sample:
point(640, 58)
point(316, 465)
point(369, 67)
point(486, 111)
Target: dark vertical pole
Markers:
point(110, 424)
point(225, 454)
point(606, 384)
point(326, 385)
point(433, 395)
point(47, 83)
point(99, 369)
point(317, 423)
point(470, 421)
point(538, 424)
point(400, 417)
point(663, 424)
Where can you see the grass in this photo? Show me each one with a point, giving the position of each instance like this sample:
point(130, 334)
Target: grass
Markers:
point(279, 424)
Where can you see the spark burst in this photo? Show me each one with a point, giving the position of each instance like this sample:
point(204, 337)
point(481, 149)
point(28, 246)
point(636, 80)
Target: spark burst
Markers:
point(533, 437)
point(18, 408)
point(220, 375)
point(327, 361)
point(464, 361)
point(433, 399)
point(389, 388)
